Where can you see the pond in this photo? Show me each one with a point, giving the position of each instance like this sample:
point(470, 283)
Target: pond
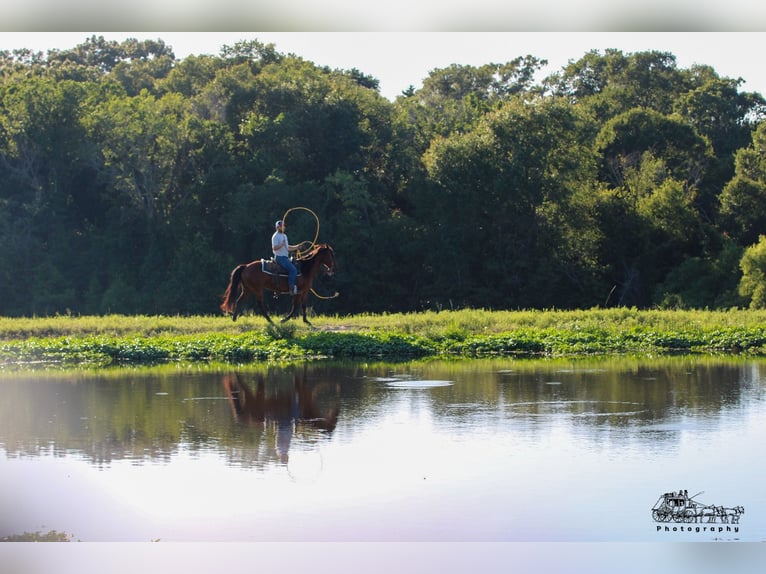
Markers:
point(476, 450)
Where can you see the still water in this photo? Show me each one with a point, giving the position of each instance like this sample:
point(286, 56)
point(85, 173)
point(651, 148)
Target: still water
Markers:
point(479, 450)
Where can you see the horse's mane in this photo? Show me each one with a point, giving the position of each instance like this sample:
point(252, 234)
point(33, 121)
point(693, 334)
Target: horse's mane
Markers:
point(307, 261)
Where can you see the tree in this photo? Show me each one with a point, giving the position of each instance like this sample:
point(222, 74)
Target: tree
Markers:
point(726, 117)
point(306, 124)
point(614, 82)
point(127, 176)
point(703, 282)
point(487, 82)
point(623, 140)
point(253, 52)
point(753, 282)
point(45, 177)
point(364, 80)
point(498, 204)
point(743, 199)
point(144, 142)
point(455, 98)
point(191, 75)
point(650, 224)
point(743, 209)
point(106, 55)
point(751, 161)
point(718, 111)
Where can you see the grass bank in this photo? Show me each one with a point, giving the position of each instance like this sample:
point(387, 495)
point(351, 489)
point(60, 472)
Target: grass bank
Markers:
point(116, 339)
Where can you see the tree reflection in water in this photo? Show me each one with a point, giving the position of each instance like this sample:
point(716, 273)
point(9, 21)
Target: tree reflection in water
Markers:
point(494, 456)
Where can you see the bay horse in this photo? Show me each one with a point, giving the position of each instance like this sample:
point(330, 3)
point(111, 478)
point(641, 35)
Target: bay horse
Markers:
point(249, 278)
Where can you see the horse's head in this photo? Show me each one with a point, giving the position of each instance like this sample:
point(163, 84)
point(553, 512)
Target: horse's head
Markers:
point(325, 256)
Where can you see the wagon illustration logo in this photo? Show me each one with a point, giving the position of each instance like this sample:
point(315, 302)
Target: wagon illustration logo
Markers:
point(680, 507)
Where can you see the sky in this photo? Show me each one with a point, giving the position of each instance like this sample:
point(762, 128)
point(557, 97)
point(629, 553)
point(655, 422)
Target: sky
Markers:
point(401, 59)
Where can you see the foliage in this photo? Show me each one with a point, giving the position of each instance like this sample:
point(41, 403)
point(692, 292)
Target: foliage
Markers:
point(80, 342)
point(743, 209)
point(753, 282)
point(699, 283)
point(133, 182)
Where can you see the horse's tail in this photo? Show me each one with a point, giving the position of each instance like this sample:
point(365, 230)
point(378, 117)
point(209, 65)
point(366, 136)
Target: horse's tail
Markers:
point(232, 290)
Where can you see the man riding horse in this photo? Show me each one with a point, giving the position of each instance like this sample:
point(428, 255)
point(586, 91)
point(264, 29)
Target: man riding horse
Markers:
point(282, 248)
point(251, 279)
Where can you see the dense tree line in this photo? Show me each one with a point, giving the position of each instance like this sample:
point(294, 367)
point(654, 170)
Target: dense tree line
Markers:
point(133, 182)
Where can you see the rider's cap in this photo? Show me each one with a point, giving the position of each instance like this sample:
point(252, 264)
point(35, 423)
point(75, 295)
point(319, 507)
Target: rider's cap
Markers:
point(278, 223)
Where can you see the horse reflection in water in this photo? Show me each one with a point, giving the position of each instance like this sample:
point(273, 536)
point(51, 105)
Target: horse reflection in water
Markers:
point(286, 408)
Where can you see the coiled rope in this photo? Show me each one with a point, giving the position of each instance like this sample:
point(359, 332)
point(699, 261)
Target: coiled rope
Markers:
point(316, 217)
point(313, 243)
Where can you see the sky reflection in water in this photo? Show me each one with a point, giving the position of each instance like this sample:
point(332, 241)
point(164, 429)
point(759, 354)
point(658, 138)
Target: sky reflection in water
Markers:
point(435, 451)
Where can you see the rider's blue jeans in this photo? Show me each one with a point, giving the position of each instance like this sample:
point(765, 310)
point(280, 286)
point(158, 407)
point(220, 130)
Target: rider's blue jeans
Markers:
point(288, 266)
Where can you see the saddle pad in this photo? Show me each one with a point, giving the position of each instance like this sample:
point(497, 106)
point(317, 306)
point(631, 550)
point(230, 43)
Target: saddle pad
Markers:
point(271, 267)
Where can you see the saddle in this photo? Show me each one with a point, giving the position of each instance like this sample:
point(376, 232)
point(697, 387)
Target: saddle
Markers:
point(271, 267)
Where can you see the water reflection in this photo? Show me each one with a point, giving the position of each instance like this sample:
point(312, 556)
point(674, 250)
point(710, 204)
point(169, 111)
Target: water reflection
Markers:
point(434, 450)
point(151, 416)
point(146, 416)
point(288, 409)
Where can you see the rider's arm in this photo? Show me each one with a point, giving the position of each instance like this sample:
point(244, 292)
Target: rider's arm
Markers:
point(277, 245)
point(296, 246)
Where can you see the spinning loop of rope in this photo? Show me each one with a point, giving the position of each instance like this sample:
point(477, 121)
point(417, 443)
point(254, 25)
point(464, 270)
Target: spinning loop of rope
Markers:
point(316, 235)
point(299, 254)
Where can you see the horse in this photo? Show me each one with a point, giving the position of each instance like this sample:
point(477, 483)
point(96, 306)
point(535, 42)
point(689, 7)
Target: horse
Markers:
point(249, 278)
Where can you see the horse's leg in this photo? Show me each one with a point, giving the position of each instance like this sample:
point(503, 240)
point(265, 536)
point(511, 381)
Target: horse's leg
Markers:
point(234, 292)
point(291, 314)
point(303, 308)
point(242, 295)
point(262, 307)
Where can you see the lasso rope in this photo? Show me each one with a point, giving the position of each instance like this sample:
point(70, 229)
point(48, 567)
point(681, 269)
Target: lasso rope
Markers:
point(313, 243)
point(325, 297)
point(316, 217)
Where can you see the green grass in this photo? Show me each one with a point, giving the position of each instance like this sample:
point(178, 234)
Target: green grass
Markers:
point(123, 340)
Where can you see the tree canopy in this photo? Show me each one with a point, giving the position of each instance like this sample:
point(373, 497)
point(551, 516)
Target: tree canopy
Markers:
point(132, 181)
